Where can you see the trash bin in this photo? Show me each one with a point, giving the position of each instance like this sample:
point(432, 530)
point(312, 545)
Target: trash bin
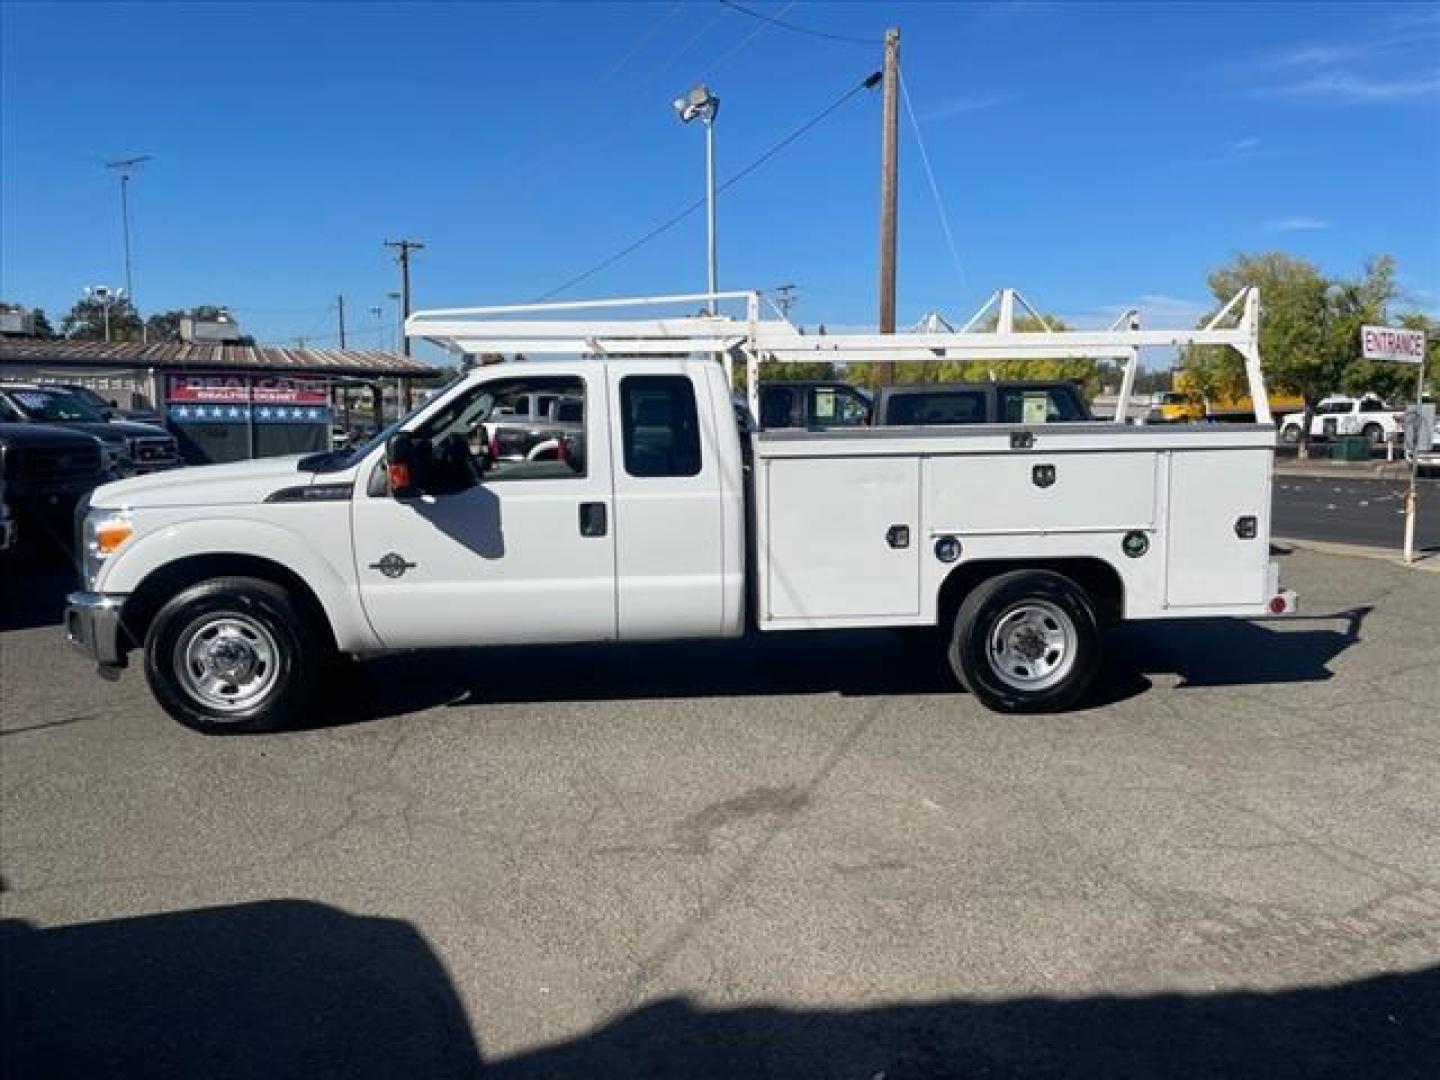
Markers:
point(1350, 448)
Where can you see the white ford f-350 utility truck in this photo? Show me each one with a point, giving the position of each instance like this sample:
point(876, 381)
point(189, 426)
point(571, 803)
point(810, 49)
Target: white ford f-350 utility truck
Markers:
point(657, 516)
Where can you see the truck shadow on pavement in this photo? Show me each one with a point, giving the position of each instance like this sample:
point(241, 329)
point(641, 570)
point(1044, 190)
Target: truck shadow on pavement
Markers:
point(294, 988)
point(859, 663)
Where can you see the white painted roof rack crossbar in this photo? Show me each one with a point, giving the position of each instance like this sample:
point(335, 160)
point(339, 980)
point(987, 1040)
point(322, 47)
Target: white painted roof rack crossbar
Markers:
point(534, 329)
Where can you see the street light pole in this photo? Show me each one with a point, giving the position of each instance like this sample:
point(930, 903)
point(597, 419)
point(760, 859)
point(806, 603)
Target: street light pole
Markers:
point(713, 276)
point(125, 167)
point(700, 104)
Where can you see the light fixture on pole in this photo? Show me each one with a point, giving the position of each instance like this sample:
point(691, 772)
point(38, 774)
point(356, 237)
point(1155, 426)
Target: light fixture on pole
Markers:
point(126, 167)
point(700, 104)
point(105, 297)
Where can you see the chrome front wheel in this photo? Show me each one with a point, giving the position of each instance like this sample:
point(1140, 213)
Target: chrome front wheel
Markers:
point(227, 661)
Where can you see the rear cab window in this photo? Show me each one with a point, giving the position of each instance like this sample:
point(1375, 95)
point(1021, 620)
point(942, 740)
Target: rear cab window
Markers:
point(659, 426)
point(937, 407)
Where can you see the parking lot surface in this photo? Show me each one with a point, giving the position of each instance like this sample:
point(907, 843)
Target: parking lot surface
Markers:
point(797, 856)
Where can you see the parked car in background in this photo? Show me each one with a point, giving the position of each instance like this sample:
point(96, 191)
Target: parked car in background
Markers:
point(1340, 415)
point(813, 404)
point(533, 427)
point(107, 407)
point(45, 472)
point(923, 405)
point(9, 531)
point(132, 448)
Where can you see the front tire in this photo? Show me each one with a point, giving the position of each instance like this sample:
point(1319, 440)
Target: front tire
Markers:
point(1026, 641)
point(233, 655)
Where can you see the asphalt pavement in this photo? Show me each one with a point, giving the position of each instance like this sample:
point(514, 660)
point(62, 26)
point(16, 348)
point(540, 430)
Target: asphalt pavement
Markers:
point(1358, 510)
point(799, 856)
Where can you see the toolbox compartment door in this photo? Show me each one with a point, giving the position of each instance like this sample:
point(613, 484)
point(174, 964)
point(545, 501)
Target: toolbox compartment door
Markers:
point(834, 543)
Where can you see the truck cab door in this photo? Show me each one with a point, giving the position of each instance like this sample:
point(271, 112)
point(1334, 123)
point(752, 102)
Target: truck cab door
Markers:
point(527, 554)
point(671, 524)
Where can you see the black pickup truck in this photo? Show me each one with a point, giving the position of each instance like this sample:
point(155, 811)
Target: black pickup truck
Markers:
point(46, 471)
point(981, 403)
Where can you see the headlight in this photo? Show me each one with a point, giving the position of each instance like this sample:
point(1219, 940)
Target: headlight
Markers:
point(104, 533)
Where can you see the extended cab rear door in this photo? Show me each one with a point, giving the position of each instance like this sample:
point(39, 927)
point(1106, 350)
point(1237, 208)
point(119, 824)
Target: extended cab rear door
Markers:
point(671, 529)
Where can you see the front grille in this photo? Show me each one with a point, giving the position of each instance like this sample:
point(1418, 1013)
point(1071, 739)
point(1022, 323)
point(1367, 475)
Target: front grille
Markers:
point(148, 451)
point(53, 464)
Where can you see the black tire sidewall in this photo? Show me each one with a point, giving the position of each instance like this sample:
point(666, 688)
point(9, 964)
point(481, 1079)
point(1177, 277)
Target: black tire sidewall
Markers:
point(983, 607)
point(1374, 433)
point(1290, 434)
point(263, 601)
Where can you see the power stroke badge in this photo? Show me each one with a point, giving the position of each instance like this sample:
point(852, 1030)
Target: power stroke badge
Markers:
point(392, 564)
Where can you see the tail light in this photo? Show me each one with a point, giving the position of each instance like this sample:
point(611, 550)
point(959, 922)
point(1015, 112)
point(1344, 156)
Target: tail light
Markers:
point(399, 476)
point(562, 453)
point(495, 444)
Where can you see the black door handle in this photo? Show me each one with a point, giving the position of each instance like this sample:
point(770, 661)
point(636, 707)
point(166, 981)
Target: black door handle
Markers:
point(592, 519)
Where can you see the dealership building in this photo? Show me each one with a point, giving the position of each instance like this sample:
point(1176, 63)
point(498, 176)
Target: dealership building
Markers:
point(227, 402)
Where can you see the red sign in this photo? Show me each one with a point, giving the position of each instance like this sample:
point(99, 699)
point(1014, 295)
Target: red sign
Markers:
point(242, 389)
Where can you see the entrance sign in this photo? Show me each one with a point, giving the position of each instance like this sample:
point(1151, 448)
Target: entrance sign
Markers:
point(1394, 344)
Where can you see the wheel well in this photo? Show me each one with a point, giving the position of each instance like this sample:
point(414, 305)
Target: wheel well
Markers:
point(162, 584)
point(1097, 577)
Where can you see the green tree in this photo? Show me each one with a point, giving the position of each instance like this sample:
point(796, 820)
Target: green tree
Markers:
point(1309, 329)
point(41, 323)
point(1085, 372)
point(86, 320)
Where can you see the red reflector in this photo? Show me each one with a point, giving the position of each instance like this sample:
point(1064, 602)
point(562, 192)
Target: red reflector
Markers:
point(1277, 605)
point(399, 477)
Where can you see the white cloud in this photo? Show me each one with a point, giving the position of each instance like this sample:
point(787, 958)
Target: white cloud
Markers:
point(1296, 224)
point(1349, 88)
point(962, 105)
point(1240, 147)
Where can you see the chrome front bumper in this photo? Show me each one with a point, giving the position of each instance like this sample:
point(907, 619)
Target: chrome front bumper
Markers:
point(92, 623)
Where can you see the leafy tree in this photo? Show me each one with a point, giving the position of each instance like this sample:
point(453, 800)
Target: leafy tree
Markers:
point(1309, 330)
point(86, 320)
point(43, 329)
point(1085, 372)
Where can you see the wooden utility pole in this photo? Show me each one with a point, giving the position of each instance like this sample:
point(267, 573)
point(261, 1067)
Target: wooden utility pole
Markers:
point(340, 310)
point(403, 249)
point(889, 184)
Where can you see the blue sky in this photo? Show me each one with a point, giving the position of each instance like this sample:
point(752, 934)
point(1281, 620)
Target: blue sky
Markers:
point(1094, 156)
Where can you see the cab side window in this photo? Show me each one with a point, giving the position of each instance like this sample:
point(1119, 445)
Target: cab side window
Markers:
point(506, 438)
point(659, 426)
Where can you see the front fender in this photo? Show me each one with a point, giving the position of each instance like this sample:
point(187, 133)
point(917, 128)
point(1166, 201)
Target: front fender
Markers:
point(321, 556)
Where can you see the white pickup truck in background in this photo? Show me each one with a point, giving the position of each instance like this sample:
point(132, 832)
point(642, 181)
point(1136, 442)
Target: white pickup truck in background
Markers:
point(1339, 415)
point(660, 519)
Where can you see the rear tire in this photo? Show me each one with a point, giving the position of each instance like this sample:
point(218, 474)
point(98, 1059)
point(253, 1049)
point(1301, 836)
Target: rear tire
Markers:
point(1290, 434)
point(1026, 641)
point(1375, 433)
point(233, 655)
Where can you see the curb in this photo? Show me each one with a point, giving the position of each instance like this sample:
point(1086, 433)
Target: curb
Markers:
point(1428, 561)
point(1340, 472)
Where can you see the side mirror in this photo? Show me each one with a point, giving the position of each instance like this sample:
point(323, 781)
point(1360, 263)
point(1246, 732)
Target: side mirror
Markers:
point(403, 465)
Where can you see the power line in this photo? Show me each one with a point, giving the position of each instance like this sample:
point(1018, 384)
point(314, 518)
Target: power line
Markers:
point(735, 49)
point(934, 187)
point(670, 223)
point(776, 21)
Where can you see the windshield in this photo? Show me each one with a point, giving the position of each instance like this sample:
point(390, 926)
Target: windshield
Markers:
point(54, 407)
point(335, 460)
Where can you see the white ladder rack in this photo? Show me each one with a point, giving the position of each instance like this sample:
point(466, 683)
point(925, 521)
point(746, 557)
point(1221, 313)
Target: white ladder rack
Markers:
point(534, 329)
